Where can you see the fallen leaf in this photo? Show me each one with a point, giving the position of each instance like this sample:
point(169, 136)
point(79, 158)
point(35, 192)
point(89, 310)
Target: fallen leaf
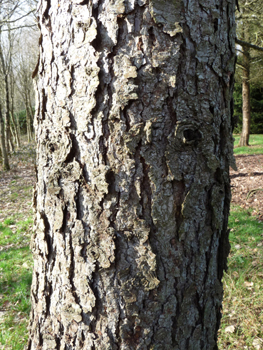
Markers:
point(25, 265)
point(257, 343)
point(248, 284)
point(230, 329)
point(235, 274)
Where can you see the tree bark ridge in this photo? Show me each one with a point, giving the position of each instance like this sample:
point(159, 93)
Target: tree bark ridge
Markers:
point(134, 143)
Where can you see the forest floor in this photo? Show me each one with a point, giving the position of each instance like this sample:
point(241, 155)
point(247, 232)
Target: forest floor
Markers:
point(16, 223)
point(242, 321)
point(247, 183)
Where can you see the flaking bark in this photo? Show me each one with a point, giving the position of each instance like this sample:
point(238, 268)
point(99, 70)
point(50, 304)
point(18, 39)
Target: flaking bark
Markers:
point(133, 126)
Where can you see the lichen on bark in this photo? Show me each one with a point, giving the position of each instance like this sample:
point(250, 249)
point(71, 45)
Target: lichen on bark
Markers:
point(133, 127)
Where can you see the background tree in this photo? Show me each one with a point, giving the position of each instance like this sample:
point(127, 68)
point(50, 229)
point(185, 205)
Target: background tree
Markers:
point(5, 70)
point(134, 146)
point(250, 35)
point(26, 63)
point(4, 154)
point(256, 107)
point(15, 124)
point(14, 18)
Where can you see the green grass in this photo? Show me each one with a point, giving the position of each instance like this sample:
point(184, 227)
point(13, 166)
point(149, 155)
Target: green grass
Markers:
point(256, 145)
point(243, 294)
point(9, 221)
point(16, 261)
point(243, 291)
point(15, 281)
point(21, 230)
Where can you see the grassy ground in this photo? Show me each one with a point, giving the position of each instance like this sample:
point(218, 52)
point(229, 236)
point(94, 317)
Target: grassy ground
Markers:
point(242, 321)
point(15, 256)
point(15, 280)
point(241, 326)
point(256, 145)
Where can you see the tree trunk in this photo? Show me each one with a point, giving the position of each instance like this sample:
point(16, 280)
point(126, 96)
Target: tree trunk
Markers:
point(16, 135)
point(3, 143)
point(9, 143)
point(134, 144)
point(28, 119)
point(244, 137)
point(31, 112)
point(18, 125)
point(14, 121)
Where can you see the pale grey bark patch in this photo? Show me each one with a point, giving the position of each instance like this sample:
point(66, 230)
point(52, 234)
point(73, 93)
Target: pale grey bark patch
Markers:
point(167, 14)
point(133, 126)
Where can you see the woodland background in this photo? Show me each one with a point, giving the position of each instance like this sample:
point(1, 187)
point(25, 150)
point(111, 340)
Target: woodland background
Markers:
point(19, 55)
point(243, 302)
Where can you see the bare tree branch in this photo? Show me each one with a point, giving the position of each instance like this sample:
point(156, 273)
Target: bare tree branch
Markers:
point(240, 66)
point(246, 44)
point(18, 19)
point(19, 27)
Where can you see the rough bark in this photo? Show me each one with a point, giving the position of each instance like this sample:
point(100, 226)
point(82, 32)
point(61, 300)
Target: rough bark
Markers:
point(134, 144)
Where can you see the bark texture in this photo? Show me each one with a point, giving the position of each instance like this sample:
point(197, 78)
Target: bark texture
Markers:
point(133, 126)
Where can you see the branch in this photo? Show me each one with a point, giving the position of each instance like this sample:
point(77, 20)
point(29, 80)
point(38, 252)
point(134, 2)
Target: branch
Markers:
point(19, 27)
point(251, 192)
point(250, 46)
point(18, 19)
point(241, 51)
point(241, 66)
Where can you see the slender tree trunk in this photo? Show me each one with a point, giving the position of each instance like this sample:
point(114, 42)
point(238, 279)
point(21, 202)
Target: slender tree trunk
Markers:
point(134, 144)
point(15, 132)
point(244, 137)
point(31, 112)
point(16, 115)
point(8, 73)
point(9, 143)
point(3, 143)
point(13, 119)
point(28, 119)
